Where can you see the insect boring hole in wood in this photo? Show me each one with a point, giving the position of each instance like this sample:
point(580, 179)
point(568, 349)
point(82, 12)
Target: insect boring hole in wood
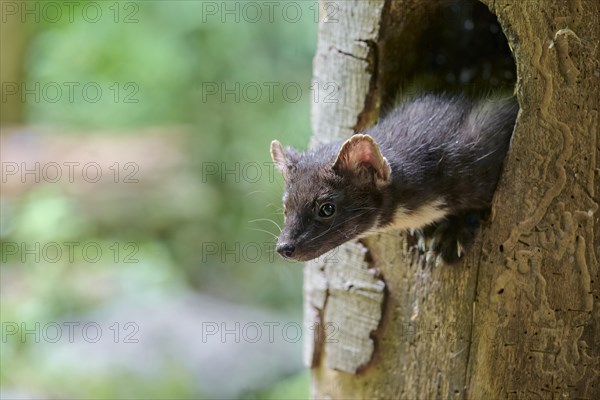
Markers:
point(445, 46)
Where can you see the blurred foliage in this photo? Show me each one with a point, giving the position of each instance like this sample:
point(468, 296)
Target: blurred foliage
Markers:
point(172, 55)
point(165, 60)
point(292, 388)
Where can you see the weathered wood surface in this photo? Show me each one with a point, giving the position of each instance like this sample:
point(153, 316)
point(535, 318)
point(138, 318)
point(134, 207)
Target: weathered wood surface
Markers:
point(520, 318)
point(343, 298)
point(538, 280)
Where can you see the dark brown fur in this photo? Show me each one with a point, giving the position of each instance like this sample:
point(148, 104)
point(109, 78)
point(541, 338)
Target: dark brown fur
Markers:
point(444, 151)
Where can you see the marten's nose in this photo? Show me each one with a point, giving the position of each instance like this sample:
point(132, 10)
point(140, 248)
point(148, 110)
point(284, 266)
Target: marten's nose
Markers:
point(286, 250)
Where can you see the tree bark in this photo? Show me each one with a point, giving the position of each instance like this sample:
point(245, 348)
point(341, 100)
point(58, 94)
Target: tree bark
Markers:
point(520, 317)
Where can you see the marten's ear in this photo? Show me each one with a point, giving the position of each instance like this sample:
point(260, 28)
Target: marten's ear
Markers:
point(278, 155)
point(360, 156)
point(284, 159)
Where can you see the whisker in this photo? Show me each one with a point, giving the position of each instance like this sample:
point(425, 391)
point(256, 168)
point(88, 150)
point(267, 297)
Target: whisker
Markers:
point(255, 192)
point(486, 155)
point(262, 230)
point(268, 220)
point(273, 205)
point(336, 225)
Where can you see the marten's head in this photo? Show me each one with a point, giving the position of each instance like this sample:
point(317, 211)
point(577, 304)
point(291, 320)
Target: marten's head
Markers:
point(332, 195)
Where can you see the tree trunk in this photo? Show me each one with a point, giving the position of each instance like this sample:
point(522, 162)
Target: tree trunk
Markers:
point(520, 317)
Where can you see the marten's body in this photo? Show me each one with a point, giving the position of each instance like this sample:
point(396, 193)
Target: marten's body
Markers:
point(433, 160)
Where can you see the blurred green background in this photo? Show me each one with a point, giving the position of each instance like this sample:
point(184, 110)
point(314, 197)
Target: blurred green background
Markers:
point(176, 103)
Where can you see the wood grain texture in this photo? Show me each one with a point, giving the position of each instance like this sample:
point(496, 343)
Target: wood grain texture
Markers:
point(343, 297)
point(346, 298)
point(345, 58)
point(520, 317)
point(538, 282)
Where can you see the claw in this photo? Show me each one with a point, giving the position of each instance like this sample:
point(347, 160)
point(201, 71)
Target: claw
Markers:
point(429, 256)
point(421, 243)
point(439, 261)
point(431, 243)
point(459, 249)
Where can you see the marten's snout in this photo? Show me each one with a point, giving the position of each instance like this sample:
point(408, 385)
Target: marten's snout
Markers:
point(286, 250)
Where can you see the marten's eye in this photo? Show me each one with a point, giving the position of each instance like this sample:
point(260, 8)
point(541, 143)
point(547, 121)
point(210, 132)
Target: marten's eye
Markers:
point(327, 210)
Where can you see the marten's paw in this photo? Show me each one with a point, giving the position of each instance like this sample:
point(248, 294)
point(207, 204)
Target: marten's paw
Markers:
point(449, 240)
